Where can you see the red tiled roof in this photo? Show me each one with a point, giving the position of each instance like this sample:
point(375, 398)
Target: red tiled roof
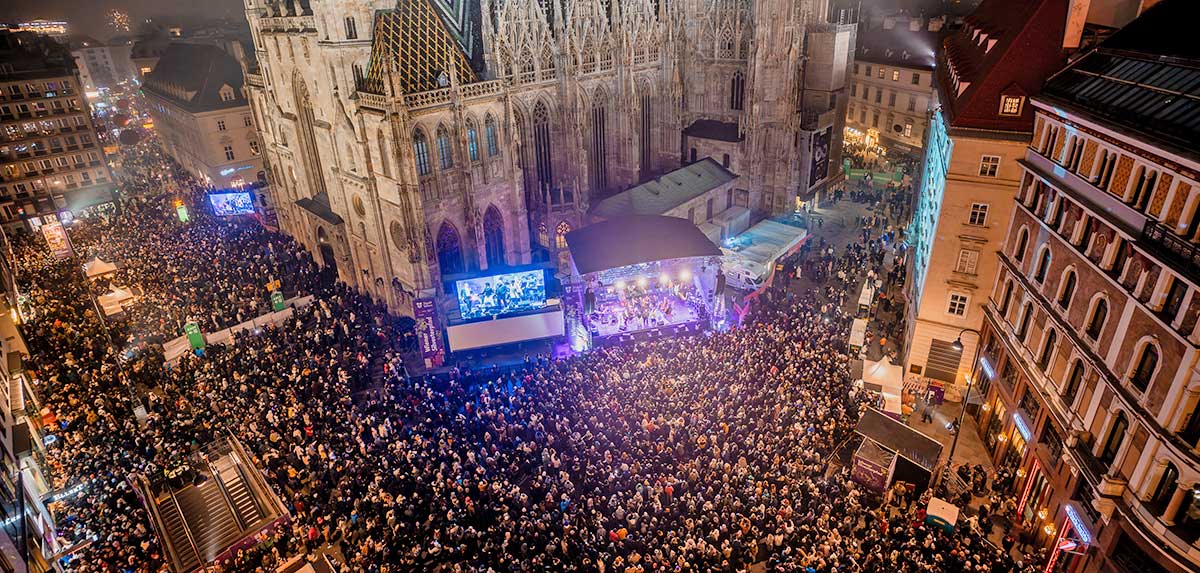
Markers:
point(1028, 38)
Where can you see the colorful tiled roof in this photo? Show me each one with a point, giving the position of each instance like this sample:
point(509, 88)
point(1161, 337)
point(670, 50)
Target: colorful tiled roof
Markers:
point(414, 42)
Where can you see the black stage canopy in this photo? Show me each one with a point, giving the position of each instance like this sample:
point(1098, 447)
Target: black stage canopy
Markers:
point(893, 435)
point(633, 239)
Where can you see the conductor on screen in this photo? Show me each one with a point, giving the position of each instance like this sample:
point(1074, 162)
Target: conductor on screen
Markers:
point(501, 294)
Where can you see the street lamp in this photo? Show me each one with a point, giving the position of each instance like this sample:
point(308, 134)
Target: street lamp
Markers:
point(958, 345)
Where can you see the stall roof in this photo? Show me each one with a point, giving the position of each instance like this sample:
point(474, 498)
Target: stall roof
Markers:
point(894, 435)
point(633, 239)
point(766, 241)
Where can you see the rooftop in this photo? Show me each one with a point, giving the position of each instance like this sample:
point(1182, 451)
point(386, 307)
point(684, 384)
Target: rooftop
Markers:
point(193, 75)
point(899, 46)
point(413, 45)
point(1145, 78)
point(667, 191)
point(713, 129)
point(1004, 48)
point(32, 56)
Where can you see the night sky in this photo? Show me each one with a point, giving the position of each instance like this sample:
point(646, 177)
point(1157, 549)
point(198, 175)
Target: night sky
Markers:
point(88, 16)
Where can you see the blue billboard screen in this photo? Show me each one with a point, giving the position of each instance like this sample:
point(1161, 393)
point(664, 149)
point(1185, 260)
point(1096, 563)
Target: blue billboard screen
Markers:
point(231, 203)
point(498, 295)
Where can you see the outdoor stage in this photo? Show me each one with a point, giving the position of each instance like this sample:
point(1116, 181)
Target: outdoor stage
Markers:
point(660, 278)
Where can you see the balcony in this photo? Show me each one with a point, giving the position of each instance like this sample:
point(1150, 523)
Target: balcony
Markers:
point(1099, 202)
point(1181, 254)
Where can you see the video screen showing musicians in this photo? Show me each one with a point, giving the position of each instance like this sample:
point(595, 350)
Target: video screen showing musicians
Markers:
point(501, 294)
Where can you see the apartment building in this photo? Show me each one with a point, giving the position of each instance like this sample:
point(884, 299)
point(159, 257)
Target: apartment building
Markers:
point(891, 89)
point(1090, 370)
point(202, 115)
point(50, 158)
point(987, 70)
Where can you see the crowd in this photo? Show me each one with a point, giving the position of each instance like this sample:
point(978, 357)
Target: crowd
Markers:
point(711, 452)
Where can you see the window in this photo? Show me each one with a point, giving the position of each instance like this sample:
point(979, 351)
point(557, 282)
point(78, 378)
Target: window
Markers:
point(1047, 354)
point(421, 151)
point(895, 75)
point(856, 68)
point(978, 215)
point(912, 104)
point(875, 119)
point(1023, 327)
point(254, 147)
point(1043, 266)
point(489, 132)
point(892, 99)
point(1116, 435)
point(881, 72)
point(220, 125)
point(226, 93)
point(1146, 365)
point(989, 165)
point(866, 92)
point(1008, 288)
point(228, 153)
point(1096, 322)
point(908, 126)
point(1074, 381)
point(351, 29)
point(854, 90)
point(958, 305)
point(1174, 300)
point(737, 91)
point(445, 154)
point(868, 71)
point(916, 79)
point(878, 95)
point(862, 116)
point(1022, 242)
point(1068, 290)
point(1011, 105)
point(246, 121)
point(968, 261)
point(472, 142)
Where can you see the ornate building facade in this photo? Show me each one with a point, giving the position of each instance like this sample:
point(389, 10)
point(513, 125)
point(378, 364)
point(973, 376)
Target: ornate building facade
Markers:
point(411, 141)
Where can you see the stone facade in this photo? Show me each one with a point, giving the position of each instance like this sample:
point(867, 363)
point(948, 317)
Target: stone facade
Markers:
point(411, 143)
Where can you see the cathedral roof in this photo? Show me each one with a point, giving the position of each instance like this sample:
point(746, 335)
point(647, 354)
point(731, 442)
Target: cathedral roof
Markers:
point(414, 44)
point(661, 194)
point(1004, 48)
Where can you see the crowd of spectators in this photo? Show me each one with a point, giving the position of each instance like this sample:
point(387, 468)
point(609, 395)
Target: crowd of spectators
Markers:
point(709, 452)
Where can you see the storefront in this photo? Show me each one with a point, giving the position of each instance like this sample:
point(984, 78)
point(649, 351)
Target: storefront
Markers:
point(1073, 541)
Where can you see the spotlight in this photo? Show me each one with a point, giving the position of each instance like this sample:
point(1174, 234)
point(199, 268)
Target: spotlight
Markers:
point(641, 282)
point(620, 285)
point(685, 275)
point(664, 279)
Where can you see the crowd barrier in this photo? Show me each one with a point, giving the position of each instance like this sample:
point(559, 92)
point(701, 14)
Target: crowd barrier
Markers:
point(175, 348)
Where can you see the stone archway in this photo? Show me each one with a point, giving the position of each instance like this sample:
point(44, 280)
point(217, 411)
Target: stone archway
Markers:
point(449, 250)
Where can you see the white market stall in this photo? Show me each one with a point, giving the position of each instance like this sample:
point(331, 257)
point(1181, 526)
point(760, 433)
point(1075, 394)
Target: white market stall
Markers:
point(98, 267)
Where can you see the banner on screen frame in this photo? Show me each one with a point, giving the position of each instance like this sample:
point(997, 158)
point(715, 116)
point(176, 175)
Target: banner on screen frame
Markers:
point(428, 335)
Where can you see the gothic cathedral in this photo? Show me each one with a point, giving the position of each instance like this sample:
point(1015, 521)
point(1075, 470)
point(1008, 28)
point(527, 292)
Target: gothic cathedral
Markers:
point(409, 141)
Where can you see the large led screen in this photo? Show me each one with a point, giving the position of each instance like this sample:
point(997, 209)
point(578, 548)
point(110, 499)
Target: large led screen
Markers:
point(232, 203)
point(498, 295)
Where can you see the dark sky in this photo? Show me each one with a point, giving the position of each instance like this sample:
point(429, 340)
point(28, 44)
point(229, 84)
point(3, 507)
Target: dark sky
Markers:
point(88, 16)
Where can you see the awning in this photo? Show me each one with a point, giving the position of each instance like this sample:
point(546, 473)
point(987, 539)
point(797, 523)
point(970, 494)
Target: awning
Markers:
point(319, 206)
point(81, 199)
point(98, 268)
point(898, 437)
point(634, 239)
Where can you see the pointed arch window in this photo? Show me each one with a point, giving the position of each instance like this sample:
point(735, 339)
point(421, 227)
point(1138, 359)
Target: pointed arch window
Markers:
point(1116, 435)
point(1008, 289)
point(548, 67)
point(445, 153)
point(541, 151)
point(1022, 243)
point(449, 250)
point(1047, 354)
point(1074, 381)
point(1043, 266)
point(489, 132)
point(493, 234)
point(472, 141)
point(560, 234)
point(599, 167)
point(737, 91)
point(725, 45)
point(421, 153)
